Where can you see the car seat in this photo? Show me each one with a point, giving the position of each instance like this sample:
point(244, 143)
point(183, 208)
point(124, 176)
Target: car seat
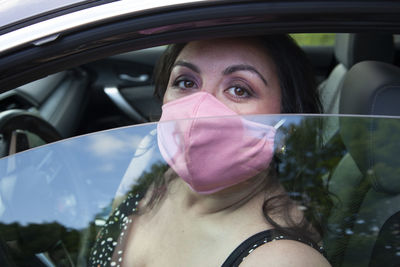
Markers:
point(349, 50)
point(366, 182)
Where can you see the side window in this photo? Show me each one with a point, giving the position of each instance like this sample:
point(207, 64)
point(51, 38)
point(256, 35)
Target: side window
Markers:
point(319, 49)
point(314, 39)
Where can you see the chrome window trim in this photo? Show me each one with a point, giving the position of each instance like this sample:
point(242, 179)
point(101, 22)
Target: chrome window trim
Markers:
point(58, 25)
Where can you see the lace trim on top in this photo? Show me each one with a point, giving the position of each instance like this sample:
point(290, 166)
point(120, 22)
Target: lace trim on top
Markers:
point(257, 240)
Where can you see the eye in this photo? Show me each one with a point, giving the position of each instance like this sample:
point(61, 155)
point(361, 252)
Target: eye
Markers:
point(184, 83)
point(239, 92)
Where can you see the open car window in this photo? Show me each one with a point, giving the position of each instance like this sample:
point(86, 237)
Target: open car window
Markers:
point(56, 199)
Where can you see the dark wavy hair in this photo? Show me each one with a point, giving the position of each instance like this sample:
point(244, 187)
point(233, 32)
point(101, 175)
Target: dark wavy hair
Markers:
point(299, 95)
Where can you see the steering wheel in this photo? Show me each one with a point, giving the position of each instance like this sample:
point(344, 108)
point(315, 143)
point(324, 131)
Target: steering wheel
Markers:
point(15, 124)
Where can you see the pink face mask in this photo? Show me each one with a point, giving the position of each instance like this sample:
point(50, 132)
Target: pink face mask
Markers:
point(214, 153)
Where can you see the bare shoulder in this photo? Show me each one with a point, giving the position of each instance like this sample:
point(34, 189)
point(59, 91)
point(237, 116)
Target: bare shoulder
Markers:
point(285, 253)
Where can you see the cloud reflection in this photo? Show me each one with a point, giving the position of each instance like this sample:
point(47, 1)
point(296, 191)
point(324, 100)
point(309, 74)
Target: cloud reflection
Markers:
point(111, 145)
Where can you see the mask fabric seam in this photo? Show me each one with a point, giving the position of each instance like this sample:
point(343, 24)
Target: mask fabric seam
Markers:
point(188, 134)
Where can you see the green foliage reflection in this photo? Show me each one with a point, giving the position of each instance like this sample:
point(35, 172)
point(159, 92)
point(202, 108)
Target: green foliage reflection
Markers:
point(306, 166)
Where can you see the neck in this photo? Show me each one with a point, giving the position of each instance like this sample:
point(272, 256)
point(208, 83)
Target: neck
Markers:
point(227, 200)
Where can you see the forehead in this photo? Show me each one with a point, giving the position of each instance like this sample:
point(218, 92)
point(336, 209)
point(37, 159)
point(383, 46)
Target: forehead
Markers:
point(227, 50)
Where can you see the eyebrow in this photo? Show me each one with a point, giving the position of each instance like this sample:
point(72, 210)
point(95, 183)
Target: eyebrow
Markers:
point(227, 71)
point(244, 67)
point(187, 65)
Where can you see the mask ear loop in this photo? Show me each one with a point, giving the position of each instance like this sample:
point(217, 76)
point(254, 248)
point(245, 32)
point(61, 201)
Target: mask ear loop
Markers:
point(279, 124)
point(281, 147)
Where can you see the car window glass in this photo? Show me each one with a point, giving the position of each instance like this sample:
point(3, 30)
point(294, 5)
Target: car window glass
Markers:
point(55, 199)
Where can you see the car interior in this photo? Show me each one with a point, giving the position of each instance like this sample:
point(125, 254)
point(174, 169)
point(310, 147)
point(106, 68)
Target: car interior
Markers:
point(359, 74)
point(369, 88)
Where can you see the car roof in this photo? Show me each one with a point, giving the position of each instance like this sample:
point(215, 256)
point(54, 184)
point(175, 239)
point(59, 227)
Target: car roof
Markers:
point(39, 21)
point(24, 22)
point(15, 11)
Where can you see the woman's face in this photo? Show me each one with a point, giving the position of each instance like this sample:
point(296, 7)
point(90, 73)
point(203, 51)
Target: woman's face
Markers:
point(239, 73)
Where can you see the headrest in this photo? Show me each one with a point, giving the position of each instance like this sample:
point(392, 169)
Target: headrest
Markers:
point(373, 88)
point(356, 47)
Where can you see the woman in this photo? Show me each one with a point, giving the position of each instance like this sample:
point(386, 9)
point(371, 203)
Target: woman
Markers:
point(188, 219)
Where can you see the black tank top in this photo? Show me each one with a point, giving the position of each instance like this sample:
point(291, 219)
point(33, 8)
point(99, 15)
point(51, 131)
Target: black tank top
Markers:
point(259, 239)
